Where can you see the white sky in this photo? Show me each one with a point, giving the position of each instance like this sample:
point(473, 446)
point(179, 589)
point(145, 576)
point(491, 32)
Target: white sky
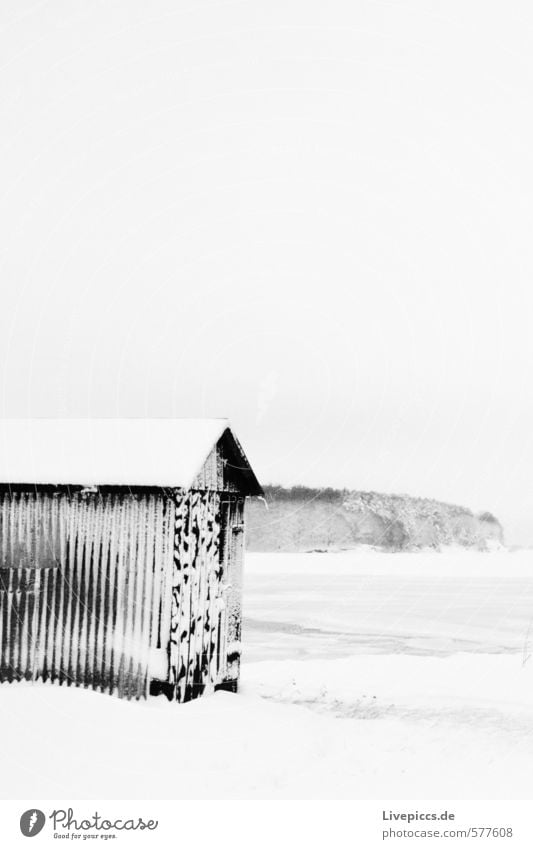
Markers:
point(313, 218)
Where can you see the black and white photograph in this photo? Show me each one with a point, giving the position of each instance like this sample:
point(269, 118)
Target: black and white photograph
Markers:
point(266, 420)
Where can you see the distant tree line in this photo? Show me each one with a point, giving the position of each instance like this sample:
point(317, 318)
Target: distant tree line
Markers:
point(305, 518)
point(276, 492)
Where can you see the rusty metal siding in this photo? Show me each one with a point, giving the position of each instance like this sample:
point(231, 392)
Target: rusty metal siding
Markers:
point(81, 587)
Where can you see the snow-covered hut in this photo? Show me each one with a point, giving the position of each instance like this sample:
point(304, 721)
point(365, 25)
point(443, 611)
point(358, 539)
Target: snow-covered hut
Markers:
point(121, 554)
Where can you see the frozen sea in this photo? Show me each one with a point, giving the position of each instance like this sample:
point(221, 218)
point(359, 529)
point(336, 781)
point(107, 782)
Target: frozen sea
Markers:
point(303, 606)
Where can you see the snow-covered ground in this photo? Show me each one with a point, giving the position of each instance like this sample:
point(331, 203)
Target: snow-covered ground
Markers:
point(365, 676)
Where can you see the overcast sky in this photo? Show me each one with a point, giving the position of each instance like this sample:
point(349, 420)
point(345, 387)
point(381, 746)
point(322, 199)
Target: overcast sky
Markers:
point(313, 218)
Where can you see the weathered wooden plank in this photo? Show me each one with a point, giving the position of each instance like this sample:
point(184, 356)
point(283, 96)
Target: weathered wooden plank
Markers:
point(211, 626)
point(209, 556)
point(234, 590)
point(181, 595)
point(194, 572)
point(197, 557)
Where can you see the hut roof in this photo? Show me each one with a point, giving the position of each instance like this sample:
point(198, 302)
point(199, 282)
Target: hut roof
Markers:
point(114, 452)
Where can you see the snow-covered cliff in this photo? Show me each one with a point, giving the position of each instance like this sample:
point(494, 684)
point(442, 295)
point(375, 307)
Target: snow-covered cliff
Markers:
point(304, 519)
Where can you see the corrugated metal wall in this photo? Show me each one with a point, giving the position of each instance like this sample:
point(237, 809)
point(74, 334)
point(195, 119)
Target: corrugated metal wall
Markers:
point(82, 578)
point(108, 591)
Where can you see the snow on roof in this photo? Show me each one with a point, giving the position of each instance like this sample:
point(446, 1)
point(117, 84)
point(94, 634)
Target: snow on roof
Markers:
point(92, 452)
